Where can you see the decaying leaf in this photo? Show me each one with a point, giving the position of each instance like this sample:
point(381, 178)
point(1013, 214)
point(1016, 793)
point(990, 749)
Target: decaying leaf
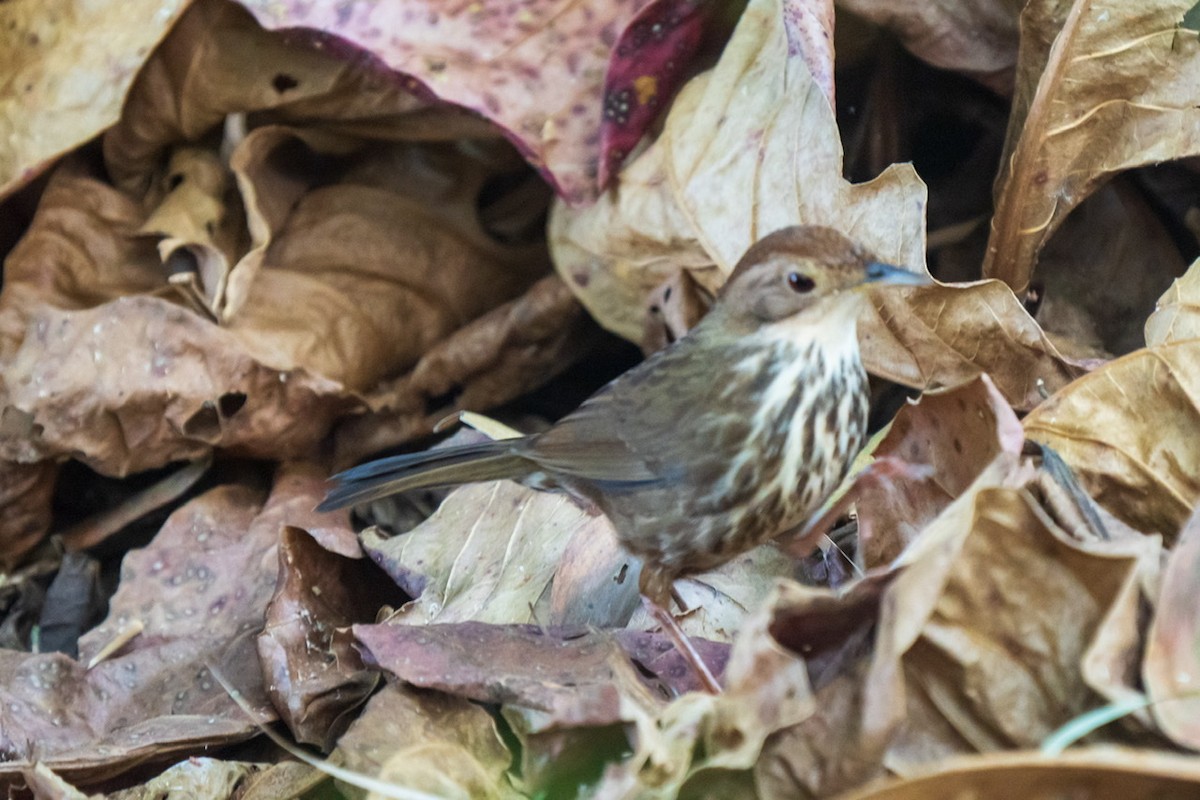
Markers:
point(510, 350)
point(487, 554)
point(1101, 88)
point(731, 166)
point(958, 433)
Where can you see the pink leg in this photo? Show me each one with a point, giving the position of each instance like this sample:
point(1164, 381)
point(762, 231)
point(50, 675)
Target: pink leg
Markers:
point(683, 644)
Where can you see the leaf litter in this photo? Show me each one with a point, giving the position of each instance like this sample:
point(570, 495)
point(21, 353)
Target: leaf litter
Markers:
point(283, 238)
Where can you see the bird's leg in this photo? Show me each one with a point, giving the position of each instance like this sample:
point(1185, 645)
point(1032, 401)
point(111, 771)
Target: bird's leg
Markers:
point(802, 542)
point(683, 644)
point(658, 587)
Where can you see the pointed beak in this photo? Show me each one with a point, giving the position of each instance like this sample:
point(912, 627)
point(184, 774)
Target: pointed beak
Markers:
point(896, 276)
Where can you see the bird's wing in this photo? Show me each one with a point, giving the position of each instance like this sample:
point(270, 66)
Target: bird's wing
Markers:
point(638, 430)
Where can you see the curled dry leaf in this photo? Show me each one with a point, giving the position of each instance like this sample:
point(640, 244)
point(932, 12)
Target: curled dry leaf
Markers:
point(1128, 430)
point(431, 742)
point(537, 71)
point(67, 76)
point(946, 335)
point(1101, 88)
point(99, 370)
point(218, 61)
point(977, 37)
point(1171, 667)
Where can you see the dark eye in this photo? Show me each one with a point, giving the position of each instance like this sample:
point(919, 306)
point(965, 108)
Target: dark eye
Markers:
point(800, 284)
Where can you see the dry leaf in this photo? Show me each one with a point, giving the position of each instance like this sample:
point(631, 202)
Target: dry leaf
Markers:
point(429, 742)
point(488, 554)
point(732, 166)
point(503, 354)
point(25, 494)
point(68, 71)
point(316, 678)
point(574, 677)
point(958, 433)
point(198, 588)
point(1101, 88)
point(1128, 431)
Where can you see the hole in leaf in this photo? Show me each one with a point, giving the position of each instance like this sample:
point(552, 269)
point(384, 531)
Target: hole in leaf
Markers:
point(230, 403)
point(204, 424)
point(283, 82)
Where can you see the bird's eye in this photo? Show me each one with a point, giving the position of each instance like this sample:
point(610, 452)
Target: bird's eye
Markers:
point(799, 283)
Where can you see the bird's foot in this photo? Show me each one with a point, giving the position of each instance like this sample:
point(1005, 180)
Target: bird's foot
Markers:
point(684, 645)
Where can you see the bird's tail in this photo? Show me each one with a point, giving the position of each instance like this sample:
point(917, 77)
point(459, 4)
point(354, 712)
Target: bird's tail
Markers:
point(448, 466)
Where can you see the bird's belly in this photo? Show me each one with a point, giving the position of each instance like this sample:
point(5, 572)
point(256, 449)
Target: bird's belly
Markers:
point(798, 450)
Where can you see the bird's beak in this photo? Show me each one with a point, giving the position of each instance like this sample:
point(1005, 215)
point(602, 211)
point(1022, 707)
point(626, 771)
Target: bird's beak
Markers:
point(896, 276)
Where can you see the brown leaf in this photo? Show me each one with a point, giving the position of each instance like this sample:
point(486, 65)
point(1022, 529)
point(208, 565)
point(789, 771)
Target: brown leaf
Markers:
point(1101, 88)
point(575, 677)
point(1172, 661)
point(946, 335)
point(696, 199)
point(218, 61)
point(503, 354)
point(316, 678)
point(978, 37)
point(488, 554)
point(69, 69)
point(958, 433)
point(1128, 431)
point(137, 383)
point(431, 742)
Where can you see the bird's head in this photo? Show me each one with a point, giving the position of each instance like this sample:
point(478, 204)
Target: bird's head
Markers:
point(799, 268)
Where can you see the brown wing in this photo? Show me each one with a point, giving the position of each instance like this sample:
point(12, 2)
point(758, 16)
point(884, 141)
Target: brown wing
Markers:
point(648, 426)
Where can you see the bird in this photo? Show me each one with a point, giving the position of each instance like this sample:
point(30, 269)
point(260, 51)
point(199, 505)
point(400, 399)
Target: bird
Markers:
point(733, 434)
